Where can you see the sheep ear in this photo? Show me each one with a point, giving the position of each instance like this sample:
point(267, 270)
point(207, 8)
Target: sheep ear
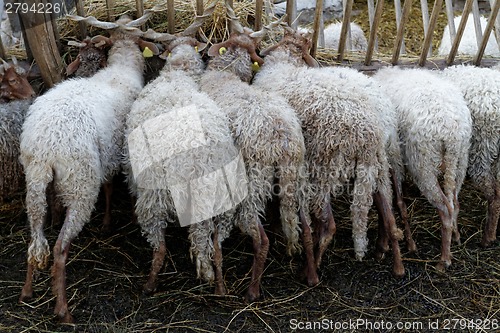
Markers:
point(270, 49)
point(73, 67)
point(152, 46)
point(213, 51)
point(201, 46)
point(310, 61)
point(101, 40)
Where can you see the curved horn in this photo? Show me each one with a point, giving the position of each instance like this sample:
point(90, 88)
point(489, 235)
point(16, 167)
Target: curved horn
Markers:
point(158, 36)
point(94, 22)
point(261, 33)
point(199, 20)
point(5, 64)
point(235, 24)
point(77, 44)
point(145, 17)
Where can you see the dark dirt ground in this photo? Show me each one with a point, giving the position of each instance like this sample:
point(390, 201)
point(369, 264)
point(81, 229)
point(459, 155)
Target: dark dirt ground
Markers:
point(106, 273)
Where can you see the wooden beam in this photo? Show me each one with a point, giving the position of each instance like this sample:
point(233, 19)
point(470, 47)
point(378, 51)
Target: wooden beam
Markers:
point(40, 36)
point(497, 24)
point(110, 10)
point(451, 18)
point(316, 24)
point(170, 16)
point(397, 8)
point(460, 32)
point(477, 22)
point(373, 32)
point(291, 13)
point(487, 31)
point(80, 10)
point(199, 7)
point(400, 34)
point(259, 8)
point(344, 30)
point(438, 4)
point(425, 19)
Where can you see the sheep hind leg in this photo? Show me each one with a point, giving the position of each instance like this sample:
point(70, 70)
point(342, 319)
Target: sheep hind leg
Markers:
point(27, 291)
point(220, 289)
point(326, 230)
point(403, 212)
point(261, 248)
point(392, 233)
point(456, 209)
point(59, 282)
point(490, 228)
point(157, 263)
point(311, 272)
point(106, 222)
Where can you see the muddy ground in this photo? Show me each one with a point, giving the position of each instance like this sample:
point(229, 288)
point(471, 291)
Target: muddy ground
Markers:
point(106, 273)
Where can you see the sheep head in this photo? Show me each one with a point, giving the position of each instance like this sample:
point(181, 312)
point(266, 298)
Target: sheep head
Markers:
point(14, 84)
point(90, 58)
point(297, 44)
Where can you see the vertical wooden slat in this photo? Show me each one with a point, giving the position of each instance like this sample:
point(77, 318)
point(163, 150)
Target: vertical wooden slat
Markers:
point(44, 49)
point(3, 54)
point(460, 32)
point(110, 9)
point(291, 13)
point(477, 23)
point(80, 10)
point(371, 17)
point(430, 31)
point(344, 29)
point(170, 17)
point(400, 34)
point(497, 24)
point(487, 31)
point(451, 16)
point(397, 8)
point(348, 37)
point(425, 19)
point(373, 32)
point(139, 4)
point(321, 31)
point(200, 7)
point(259, 7)
point(317, 17)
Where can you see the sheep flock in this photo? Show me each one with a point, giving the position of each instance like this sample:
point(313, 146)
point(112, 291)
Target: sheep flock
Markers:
point(225, 130)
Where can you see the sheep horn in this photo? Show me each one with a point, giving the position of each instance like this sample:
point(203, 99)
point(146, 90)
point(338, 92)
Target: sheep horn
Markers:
point(261, 33)
point(199, 20)
point(94, 22)
point(145, 17)
point(77, 44)
point(235, 25)
point(158, 36)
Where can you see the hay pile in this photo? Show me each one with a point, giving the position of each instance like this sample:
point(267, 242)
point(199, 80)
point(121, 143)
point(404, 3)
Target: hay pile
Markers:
point(215, 29)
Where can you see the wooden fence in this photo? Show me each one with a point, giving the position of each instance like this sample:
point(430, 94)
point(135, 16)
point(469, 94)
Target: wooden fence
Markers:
point(41, 33)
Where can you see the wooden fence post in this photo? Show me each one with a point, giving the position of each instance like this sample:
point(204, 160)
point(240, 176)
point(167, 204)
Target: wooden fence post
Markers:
point(40, 36)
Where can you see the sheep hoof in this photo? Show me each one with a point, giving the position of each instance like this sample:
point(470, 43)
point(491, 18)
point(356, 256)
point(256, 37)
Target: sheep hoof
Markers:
point(149, 288)
point(398, 272)
point(442, 266)
point(67, 318)
point(487, 242)
point(379, 255)
point(26, 294)
point(251, 297)
point(412, 247)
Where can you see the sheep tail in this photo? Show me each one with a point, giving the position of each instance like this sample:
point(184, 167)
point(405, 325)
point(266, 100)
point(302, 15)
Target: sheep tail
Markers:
point(364, 186)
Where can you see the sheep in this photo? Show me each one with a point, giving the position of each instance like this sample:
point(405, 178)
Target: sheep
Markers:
point(267, 131)
point(15, 87)
point(481, 90)
point(343, 139)
point(72, 136)
point(176, 87)
point(435, 130)
point(468, 43)
point(332, 36)
point(387, 116)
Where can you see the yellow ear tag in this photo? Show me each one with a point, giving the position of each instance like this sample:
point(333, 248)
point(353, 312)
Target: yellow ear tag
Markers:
point(222, 50)
point(196, 49)
point(147, 53)
point(255, 66)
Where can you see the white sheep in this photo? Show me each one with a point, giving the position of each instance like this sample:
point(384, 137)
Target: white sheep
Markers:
point(386, 111)
point(435, 130)
point(72, 136)
point(343, 138)
point(481, 90)
point(266, 130)
point(468, 43)
point(332, 36)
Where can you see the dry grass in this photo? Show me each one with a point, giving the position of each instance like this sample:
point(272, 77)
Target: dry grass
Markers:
point(106, 273)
